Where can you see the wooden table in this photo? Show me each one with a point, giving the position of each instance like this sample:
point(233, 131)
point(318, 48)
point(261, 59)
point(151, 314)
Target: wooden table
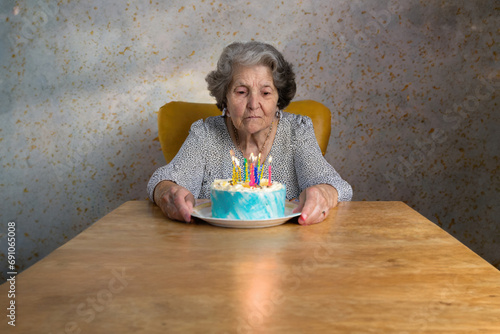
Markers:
point(371, 267)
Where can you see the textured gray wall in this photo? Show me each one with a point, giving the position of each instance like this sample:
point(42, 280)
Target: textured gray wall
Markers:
point(412, 86)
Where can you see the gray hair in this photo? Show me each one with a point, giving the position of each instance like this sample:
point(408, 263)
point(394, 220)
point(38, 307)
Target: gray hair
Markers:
point(251, 54)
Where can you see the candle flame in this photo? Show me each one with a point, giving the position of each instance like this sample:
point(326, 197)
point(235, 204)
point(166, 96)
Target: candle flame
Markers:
point(270, 159)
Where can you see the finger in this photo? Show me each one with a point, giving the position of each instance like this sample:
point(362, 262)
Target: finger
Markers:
point(184, 213)
point(172, 211)
point(314, 210)
point(167, 207)
point(181, 205)
point(191, 202)
point(174, 205)
point(190, 199)
point(317, 216)
point(308, 214)
point(187, 209)
point(323, 214)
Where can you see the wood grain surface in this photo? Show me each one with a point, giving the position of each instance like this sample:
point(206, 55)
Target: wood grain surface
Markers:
point(371, 267)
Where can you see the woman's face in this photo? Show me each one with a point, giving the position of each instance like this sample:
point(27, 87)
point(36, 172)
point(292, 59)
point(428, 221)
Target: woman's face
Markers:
point(252, 98)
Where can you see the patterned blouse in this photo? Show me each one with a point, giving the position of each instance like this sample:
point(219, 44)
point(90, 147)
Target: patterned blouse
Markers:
point(296, 159)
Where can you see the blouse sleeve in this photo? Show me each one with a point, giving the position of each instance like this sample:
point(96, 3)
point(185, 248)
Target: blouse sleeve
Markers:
point(186, 168)
point(310, 165)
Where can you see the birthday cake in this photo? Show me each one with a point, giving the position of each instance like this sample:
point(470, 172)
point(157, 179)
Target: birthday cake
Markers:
point(240, 200)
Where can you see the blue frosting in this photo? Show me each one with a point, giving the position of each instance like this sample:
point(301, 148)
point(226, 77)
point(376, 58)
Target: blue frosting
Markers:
point(248, 205)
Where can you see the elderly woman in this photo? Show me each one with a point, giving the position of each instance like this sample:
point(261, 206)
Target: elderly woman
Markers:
point(252, 84)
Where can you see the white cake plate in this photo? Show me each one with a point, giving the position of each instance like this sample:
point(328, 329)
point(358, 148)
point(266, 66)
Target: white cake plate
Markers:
point(204, 212)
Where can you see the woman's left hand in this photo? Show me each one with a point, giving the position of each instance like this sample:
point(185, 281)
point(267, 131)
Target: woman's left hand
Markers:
point(315, 202)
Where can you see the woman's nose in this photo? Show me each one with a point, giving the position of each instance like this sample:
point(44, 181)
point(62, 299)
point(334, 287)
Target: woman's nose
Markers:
point(253, 101)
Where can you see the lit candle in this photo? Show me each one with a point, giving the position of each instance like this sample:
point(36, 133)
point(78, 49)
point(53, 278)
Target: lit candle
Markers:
point(234, 166)
point(233, 177)
point(257, 170)
point(238, 170)
point(246, 169)
point(251, 175)
point(255, 174)
point(261, 171)
point(269, 183)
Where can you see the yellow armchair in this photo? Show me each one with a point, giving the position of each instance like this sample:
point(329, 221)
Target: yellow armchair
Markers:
point(175, 119)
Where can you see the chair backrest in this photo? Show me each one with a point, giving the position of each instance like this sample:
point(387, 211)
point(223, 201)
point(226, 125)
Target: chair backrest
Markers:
point(175, 119)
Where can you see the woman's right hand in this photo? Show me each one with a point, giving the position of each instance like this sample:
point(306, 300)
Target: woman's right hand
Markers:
point(175, 201)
